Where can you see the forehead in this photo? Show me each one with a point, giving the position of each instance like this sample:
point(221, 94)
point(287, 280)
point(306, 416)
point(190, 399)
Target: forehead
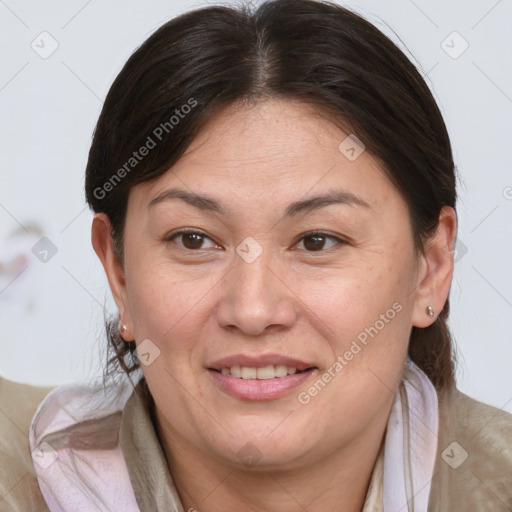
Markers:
point(278, 151)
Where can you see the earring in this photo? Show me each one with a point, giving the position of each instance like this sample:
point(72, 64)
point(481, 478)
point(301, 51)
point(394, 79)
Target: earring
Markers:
point(429, 311)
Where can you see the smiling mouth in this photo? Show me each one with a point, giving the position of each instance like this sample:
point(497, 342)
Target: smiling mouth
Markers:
point(261, 373)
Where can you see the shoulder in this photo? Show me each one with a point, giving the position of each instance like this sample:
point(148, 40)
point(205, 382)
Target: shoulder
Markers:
point(474, 457)
point(19, 490)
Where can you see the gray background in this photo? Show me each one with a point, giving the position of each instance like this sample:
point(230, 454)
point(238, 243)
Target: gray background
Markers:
point(51, 312)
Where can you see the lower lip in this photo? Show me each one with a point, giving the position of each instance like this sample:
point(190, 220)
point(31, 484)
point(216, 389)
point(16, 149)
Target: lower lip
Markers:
point(255, 389)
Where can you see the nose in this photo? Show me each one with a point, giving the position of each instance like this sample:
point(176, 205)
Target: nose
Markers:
point(255, 298)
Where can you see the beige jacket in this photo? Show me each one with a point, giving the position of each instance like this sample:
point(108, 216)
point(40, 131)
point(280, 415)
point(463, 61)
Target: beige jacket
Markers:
point(473, 470)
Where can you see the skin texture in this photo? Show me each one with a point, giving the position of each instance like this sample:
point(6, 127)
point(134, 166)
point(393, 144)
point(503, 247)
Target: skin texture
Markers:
point(200, 304)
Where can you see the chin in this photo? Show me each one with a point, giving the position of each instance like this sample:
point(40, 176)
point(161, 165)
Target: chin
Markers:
point(265, 456)
point(261, 447)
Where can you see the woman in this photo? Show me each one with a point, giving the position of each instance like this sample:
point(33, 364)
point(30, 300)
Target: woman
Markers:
point(275, 196)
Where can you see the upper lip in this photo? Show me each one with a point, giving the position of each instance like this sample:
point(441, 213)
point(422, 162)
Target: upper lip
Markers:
point(258, 361)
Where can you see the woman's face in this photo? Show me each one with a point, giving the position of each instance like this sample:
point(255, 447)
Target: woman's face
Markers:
point(257, 289)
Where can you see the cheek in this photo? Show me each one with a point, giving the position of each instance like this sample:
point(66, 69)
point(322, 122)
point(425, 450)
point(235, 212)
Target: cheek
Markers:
point(159, 292)
point(365, 316)
point(364, 319)
point(353, 297)
point(161, 306)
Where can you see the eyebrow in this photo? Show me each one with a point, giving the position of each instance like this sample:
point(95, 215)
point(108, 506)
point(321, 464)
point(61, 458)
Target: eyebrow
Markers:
point(208, 204)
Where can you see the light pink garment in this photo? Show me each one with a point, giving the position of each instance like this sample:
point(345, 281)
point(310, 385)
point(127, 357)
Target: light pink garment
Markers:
point(411, 444)
point(76, 476)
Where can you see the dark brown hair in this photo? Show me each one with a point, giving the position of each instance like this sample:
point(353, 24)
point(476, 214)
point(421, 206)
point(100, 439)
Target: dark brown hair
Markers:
point(314, 51)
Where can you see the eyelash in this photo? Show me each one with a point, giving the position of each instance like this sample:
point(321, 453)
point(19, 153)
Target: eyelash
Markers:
point(310, 234)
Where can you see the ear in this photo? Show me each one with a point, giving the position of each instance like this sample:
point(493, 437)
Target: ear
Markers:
point(436, 269)
point(102, 243)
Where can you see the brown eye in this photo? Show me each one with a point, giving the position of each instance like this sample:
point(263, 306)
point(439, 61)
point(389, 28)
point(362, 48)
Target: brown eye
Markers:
point(190, 240)
point(315, 242)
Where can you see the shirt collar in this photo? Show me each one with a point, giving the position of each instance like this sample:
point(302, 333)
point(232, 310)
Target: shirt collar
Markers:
point(152, 483)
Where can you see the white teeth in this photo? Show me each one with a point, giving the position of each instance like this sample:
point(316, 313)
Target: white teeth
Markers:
point(248, 373)
point(264, 373)
point(267, 372)
point(281, 370)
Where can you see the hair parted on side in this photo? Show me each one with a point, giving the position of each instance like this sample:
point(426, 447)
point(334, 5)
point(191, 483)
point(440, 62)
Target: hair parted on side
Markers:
point(315, 51)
